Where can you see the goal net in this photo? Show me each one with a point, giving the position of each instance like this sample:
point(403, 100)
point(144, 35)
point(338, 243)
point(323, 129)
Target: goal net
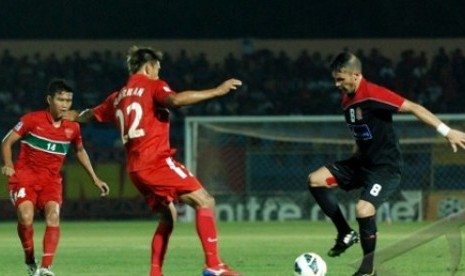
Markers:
point(257, 167)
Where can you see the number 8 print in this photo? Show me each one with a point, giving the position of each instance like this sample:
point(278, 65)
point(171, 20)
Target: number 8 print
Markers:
point(376, 189)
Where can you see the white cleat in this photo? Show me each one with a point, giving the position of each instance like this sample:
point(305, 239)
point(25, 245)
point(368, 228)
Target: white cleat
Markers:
point(32, 269)
point(45, 271)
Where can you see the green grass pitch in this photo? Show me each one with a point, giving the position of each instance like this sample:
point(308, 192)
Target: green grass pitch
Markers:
point(256, 249)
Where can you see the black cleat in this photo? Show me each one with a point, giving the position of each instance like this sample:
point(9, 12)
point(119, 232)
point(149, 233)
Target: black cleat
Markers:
point(343, 242)
point(358, 273)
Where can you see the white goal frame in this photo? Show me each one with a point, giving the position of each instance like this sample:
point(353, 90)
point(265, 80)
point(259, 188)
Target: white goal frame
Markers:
point(192, 124)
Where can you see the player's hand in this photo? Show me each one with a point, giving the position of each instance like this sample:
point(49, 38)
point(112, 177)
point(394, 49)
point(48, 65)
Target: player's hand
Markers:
point(456, 139)
point(231, 84)
point(8, 171)
point(70, 115)
point(104, 189)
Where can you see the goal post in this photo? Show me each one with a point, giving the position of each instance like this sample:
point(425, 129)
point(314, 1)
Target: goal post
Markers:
point(266, 160)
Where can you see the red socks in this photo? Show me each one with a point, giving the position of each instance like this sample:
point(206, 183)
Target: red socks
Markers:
point(206, 229)
point(159, 245)
point(26, 236)
point(50, 243)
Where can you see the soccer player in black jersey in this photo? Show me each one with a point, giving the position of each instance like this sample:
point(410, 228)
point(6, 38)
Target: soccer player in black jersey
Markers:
point(376, 164)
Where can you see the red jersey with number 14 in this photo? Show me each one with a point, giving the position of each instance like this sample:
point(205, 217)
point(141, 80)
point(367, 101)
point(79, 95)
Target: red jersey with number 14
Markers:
point(43, 146)
point(142, 119)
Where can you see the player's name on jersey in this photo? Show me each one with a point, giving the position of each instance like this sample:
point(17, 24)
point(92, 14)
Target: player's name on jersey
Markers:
point(127, 92)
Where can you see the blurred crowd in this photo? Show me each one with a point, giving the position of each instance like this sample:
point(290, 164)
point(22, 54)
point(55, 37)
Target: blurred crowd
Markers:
point(274, 83)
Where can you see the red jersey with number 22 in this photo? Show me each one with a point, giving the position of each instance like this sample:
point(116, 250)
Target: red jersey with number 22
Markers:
point(142, 119)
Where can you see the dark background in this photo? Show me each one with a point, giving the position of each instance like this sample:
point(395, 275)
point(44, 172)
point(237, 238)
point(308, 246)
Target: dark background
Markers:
point(275, 83)
point(164, 19)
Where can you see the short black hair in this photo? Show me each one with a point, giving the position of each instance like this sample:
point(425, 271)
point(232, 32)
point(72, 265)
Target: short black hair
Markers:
point(57, 86)
point(346, 61)
point(138, 56)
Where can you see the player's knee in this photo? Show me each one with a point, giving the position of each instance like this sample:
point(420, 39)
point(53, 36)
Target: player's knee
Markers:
point(25, 213)
point(204, 201)
point(208, 202)
point(52, 218)
point(26, 217)
point(312, 180)
point(365, 209)
point(315, 180)
point(198, 199)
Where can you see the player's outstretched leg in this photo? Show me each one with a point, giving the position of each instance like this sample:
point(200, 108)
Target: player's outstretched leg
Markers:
point(328, 203)
point(206, 229)
point(205, 223)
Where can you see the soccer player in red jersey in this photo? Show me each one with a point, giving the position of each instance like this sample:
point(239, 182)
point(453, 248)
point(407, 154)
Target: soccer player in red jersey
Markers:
point(376, 164)
point(34, 179)
point(140, 110)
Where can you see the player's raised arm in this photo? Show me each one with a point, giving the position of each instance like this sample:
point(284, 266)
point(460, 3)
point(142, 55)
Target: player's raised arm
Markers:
point(192, 97)
point(455, 137)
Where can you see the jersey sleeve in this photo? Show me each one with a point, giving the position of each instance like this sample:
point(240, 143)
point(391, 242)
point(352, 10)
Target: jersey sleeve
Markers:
point(391, 99)
point(161, 90)
point(24, 125)
point(105, 111)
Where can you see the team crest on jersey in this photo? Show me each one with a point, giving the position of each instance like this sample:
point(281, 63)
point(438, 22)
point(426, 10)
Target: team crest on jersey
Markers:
point(18, 126)
point(358, 113)
point(69, 132)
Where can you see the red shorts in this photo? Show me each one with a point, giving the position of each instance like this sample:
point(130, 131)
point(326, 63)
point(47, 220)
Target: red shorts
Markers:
point(38, 189)
point(165, 183)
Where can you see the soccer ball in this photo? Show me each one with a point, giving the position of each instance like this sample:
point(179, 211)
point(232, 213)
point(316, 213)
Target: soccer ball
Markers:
point(309, 264)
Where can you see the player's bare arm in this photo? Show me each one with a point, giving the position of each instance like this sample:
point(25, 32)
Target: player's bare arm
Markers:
point(455, 137)
point(192, 97)
point(84, 160)
point(79, 116)
point(7, 153)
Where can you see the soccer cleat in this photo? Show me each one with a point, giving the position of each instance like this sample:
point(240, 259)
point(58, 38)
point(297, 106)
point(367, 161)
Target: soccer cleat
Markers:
point(343, 242)
point(45, 271)
point(32, 269)
point(358, 273)
point(220, 270)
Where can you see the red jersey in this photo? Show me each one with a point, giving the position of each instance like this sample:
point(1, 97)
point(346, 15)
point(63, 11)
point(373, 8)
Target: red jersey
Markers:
point(43, 146)
point(142, 119)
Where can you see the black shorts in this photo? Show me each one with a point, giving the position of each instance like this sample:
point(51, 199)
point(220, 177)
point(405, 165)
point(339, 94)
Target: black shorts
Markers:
point(377, 183)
